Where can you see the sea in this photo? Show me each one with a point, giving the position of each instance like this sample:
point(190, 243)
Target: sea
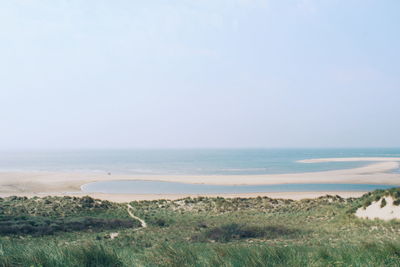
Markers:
point(187, 161)
point(195, 162)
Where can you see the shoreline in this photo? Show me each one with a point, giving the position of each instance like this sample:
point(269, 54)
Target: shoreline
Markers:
point(63, 183)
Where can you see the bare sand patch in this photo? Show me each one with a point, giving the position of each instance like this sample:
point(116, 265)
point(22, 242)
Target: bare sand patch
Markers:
point(376, 211)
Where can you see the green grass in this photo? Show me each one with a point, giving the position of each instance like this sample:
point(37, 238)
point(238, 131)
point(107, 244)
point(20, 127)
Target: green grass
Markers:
point(178, 254)
point(53, 256)
point(202, 232)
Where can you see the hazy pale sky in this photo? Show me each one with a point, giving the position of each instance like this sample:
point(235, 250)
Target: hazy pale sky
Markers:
point(199, 73)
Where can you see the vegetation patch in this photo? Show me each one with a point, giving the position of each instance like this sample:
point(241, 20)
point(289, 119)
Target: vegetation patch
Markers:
point(383, 202)
point(55, 206)
point(87, 255)
point(194, 232)
point(234, 231)
point(37, 225)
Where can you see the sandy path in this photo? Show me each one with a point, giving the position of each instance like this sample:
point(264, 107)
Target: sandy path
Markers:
point(142, 222)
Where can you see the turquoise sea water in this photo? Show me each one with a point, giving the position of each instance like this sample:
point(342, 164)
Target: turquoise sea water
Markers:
point(156, 187)
point(187, 161)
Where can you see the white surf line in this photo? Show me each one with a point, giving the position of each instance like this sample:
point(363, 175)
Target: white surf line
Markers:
point(375, 159)
point(142, 222)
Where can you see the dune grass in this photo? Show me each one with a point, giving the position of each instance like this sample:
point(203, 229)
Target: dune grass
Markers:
point(54, 256)
point(179, 254)
point(204, 232)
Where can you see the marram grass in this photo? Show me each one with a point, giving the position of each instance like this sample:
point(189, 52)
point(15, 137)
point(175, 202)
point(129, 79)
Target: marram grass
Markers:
point(197, 232)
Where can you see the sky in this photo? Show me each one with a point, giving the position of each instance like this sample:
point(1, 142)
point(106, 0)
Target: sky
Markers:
point(199, 73)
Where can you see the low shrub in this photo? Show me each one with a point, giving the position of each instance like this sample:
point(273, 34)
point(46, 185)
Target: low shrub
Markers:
point(36, 225)
point(367, 203)
point(383, 202)
point(233, 231)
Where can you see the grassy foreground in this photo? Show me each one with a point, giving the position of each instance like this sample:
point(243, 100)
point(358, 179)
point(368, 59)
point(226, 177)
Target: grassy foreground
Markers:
point(63, 231)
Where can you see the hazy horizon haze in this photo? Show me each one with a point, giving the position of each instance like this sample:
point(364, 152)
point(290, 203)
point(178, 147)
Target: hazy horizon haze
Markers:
point(199, 74)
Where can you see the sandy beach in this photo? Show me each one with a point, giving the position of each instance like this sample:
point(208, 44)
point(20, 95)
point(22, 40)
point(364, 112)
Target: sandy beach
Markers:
point(69, 183)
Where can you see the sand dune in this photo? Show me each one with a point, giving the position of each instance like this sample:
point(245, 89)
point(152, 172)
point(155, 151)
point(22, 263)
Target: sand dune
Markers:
point(376, 211)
